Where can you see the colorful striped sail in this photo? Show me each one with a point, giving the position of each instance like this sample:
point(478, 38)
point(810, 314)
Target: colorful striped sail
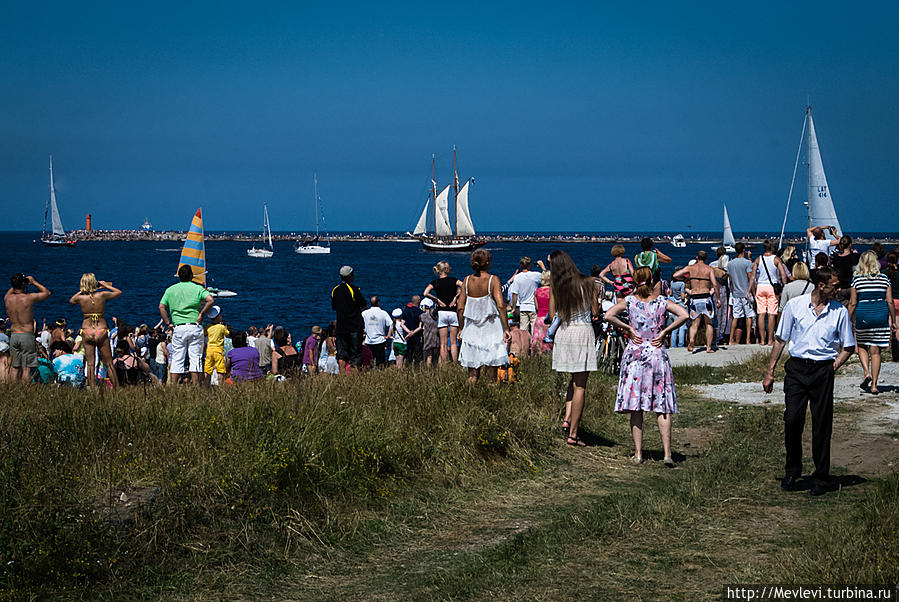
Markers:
point(194, 251)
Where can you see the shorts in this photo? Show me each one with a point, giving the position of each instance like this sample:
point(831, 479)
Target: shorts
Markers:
point(447, 318)
point(22, 350)
point(187, 344)
point(765, 299)
point(526, 320)
point(349, 347)
point(215, 360)
point(399, 348)
point(702, 306)
point(742, 308)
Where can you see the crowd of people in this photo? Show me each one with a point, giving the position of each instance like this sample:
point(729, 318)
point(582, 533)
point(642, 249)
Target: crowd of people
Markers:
point(823, 308)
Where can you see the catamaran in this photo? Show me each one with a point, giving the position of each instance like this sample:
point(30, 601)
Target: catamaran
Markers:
point(314, 246)
point(728, 237)
point(444, 239)
point(821, 211)
point(266, 232)
point(57, 236)
point(193, 253)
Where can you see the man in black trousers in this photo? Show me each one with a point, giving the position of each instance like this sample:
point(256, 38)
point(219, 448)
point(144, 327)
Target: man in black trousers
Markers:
point(820, 339)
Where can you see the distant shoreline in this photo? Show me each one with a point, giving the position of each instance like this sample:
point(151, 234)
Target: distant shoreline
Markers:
point(177, 236)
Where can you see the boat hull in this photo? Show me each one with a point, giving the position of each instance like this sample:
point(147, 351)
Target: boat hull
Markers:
point(312, 250)
point(452, 245)
point(58, 242)
point(260, 253)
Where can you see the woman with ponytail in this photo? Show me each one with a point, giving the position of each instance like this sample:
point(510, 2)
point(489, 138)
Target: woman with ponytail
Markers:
point(646, 382)
point(573, 298)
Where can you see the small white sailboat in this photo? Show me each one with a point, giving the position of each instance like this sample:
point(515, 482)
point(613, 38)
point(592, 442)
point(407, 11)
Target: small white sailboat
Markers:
point(264, 253)
point(57, 235)
point(821, 211)
point(314, 246)
point(728, 238)
point(678, 242)
point(444, 239)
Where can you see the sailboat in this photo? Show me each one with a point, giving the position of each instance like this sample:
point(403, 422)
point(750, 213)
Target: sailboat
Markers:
point(821, 211)
point(193, 253)
point(57, 236)
point(728, 238)
point(443, 238)
point(314, 246)
point(266, 232)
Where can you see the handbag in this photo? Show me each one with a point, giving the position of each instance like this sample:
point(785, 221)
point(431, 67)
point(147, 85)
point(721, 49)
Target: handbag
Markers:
point(778, 286)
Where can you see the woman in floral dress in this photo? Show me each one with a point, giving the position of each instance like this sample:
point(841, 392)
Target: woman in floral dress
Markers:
point(646, 382)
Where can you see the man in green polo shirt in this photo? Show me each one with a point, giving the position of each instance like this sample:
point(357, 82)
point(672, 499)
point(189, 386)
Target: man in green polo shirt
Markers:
point(187, 302)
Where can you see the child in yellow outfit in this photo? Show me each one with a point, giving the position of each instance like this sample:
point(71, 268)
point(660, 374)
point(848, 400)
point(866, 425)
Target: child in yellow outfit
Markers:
point(215, 346)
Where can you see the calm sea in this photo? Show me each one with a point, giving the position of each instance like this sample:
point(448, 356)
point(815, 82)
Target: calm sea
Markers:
point(288, 289)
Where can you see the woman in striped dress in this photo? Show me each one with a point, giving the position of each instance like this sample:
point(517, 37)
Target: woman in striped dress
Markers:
point(872, 312)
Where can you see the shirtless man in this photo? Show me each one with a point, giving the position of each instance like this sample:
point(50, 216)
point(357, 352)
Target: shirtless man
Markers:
point(702, 309)
point(20, 308)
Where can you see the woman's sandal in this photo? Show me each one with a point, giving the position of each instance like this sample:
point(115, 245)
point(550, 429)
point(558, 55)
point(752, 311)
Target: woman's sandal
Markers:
point(669, 462)
point(565, 426)
point(865, 383)
point(576, 442)
point(636, 460)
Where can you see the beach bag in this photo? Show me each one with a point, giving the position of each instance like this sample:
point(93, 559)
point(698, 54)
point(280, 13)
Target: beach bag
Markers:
point(778, 286)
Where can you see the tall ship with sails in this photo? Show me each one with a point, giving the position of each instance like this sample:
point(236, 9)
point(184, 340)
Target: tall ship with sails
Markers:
point(444, 238)
point(57, 235)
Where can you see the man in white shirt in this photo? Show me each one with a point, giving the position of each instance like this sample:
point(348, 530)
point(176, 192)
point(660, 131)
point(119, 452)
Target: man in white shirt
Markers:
point(378, 329)
point(820, 339)
point(524, 284)
point(817, 243)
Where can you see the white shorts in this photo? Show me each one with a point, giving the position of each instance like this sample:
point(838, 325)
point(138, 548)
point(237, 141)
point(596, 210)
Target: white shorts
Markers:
point(742, 308)
point(447, 318)
point(187, 342)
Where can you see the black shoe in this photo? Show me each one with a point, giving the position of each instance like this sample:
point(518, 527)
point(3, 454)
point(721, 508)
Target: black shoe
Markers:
point(820, 488)
point(789, 483)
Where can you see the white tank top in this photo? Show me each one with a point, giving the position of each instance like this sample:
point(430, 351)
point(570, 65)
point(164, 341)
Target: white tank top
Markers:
point(762, 276)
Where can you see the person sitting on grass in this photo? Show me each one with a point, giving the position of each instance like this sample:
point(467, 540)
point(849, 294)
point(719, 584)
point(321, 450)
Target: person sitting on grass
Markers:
point(285, 359)
point(130, 368)
point(242, 362)
point(69, 367)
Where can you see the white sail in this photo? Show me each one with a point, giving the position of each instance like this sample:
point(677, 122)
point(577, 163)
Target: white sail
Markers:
point(422, 226)
point(442, 206)
point(820, 204)
point(54, 210)
point(267, 226)
point(728, 233)
point(464, 227)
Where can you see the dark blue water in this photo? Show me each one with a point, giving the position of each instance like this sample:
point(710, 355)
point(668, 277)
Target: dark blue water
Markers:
point(288, 289)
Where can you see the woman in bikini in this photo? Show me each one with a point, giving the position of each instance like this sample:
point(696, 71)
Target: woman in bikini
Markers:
point(622, 270)
point(94, 332)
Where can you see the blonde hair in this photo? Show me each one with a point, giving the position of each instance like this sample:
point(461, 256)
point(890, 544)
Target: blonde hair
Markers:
point(88, 283)
point(442, 268)
point(800, 271)
point(545, 278)
point(643, 279)
point(618, 251)
point(789, 253)
point(867, 264)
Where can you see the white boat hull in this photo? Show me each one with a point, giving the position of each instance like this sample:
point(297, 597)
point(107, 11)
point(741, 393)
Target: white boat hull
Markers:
point(260, 253)
point(452, 245)
point(313, 250)
point(727, 248)
point(220, 293)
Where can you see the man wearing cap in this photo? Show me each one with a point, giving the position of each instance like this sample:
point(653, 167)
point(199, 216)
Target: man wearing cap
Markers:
point(412, 320)
point(347, 301)
point(310, 350)
point(187, 302)
point(378, 330)
point(20, 309)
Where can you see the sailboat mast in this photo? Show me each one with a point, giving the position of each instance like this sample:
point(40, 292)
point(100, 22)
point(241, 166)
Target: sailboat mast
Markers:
point(47, 206)
point(434, 186)
point(315, 200)
point(455, 192)
point(793, 181)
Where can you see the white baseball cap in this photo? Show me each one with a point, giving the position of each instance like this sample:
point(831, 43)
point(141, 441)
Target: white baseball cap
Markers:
point(214, 312)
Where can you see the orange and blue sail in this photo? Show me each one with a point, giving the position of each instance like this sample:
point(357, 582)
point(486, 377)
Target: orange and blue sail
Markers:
point(193, 253)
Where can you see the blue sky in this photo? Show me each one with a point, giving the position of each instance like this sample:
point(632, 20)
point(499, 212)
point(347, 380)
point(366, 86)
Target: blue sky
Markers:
point(573, 116)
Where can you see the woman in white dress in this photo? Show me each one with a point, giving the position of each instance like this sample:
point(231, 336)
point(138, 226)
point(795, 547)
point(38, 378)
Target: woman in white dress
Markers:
point(573, 297)
point(484, 329)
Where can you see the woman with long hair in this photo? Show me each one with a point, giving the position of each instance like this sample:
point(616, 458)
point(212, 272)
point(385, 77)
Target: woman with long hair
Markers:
point(485, 330)
point(444, 291)
point(646, 382)
point(94, 330)
point(873, 313)
point(573, 299)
